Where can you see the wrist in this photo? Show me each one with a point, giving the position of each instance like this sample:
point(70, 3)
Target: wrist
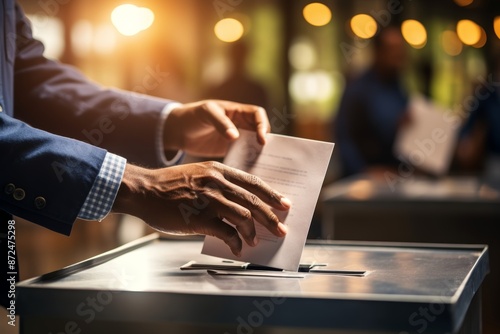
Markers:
point(172, 133)
point(132, 188)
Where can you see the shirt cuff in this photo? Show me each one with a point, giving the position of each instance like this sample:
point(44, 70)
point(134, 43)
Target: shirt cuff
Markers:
point(103, 193)
point(160, 148)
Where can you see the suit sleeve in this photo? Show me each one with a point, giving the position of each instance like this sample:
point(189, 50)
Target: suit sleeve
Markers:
point(59, 99)
point(45, 177)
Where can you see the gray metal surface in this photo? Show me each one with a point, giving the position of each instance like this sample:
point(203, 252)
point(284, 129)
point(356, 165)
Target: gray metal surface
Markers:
point(145, 284)
point(452, 209)
point(421, 190)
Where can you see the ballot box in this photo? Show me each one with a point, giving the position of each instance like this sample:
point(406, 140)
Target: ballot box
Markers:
point(360, 287)
point(454, 209)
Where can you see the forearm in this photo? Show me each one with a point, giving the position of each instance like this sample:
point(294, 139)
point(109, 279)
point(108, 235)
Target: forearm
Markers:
point(59, 99)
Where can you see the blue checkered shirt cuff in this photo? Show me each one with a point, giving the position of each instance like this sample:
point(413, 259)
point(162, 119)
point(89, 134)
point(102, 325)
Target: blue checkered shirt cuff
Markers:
point(103, 193)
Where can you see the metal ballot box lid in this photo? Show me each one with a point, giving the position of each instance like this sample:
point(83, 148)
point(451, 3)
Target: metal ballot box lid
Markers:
point(407, 288)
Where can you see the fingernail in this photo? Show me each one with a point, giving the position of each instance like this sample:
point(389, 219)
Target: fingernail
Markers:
point(233, 133)
point(255, 241)
point(286, 202)
point(282, 228)
point(262, 136)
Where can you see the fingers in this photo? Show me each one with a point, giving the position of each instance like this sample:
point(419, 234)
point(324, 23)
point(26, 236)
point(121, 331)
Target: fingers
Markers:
point(255, 119)
point(241, 208)
point(227, 116)
point(239, 216)
point(216, 115)
point(219, 229)
point(263, 125)
point(259, 211)
point(256, 186)
point(246, 197)
point(258, 121)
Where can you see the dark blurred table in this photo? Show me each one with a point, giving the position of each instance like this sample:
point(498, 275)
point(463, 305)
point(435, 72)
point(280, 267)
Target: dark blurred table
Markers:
point(409, 288)
point(418, 209)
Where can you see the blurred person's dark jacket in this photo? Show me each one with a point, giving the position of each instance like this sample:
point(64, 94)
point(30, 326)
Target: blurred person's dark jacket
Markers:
point(370, 113)
point(373, 107)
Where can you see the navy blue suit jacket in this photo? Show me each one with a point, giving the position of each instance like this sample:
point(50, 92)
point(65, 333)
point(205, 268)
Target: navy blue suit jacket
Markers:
point(52, 121)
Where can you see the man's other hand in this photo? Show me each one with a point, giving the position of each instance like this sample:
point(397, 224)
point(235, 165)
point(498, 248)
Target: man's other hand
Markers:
point(206, 128)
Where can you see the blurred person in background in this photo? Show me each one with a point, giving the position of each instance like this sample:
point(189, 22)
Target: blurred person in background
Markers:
point(240, 86)
point(478, 148)
point(373, 107)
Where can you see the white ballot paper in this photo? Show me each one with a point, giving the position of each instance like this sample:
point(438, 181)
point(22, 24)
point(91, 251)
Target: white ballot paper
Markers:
point(428, 142)
point(296, 168)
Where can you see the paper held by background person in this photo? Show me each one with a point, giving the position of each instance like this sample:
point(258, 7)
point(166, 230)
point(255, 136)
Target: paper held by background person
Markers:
point(296, 168)
point(428, 142)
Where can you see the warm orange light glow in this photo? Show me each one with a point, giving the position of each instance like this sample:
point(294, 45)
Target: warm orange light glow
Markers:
point(229, 30)
point(482, 39)
point(468, 32)
point(317, 14)
point(130, 20)
point(414, 33)
point(451, 43)
point(361, 189)
point(364, 26)
point(496, 26)
point(463, 3)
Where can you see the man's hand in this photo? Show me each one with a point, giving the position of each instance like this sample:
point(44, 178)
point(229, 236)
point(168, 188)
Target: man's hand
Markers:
point(195, 198)
point(206, 128)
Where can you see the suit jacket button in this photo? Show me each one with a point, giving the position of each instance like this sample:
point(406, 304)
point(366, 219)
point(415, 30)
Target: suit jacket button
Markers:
point(40, 203)
point(19, 194)
point(9, 189)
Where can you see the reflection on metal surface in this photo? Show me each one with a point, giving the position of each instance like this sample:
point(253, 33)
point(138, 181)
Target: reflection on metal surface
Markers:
point(362, 189)
point(487, 192)
point(402, 278)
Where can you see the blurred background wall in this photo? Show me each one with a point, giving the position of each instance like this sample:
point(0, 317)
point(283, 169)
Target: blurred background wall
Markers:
point(297, 58)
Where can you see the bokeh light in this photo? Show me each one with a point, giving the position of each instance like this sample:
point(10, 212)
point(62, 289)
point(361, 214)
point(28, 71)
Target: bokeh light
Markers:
point(317, 14)
point(414, 33)
point(229, 30)
point(496, 26)
point(463, 3)
point(364, 26)
point(451, 43)
point(302, 55)
point(104, 39)
point(468, 32)
point(130, 19)
point(482, 39)
point(311, 86)
point(82, 36)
